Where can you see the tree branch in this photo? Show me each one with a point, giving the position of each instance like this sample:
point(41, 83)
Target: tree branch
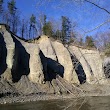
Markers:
point(98, 6)
point(98, 26)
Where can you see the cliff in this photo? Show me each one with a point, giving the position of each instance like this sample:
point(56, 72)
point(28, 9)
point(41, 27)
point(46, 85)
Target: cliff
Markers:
point(46, 66)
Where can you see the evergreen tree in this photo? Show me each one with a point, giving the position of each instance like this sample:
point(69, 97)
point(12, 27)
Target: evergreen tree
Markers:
point(13, 18)
point(58, 34)
point(47, 29)
point(72, 38)
point(66, 29)
point(89, 42)
point(32, 29)
point(12, 7)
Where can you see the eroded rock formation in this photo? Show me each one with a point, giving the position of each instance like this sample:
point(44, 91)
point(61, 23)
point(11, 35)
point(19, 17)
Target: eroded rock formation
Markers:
point(91, 63)
point(46, 66)
point(65, 60)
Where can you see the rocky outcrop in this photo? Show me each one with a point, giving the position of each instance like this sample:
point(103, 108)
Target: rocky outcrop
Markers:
point(21, 58)
point(91, 63)
point(96, 64)
point(46, 66)
point(28, 64)
point(46, 47)
point(30, 57)
point(65, 60)
point(51, 66)
point(8, 52)
point(82, 60)
point(57, 52)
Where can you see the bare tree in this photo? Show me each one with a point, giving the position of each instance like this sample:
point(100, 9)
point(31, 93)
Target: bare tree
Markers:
point(102, 39)
point(41, 20)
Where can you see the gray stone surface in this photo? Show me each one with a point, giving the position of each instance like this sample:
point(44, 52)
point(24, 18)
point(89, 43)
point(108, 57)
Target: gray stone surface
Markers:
point(65, 60)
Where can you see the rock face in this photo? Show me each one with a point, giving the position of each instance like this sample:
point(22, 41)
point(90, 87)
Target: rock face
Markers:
point(46, 47)
point(65, 60)
point(96, 64)
point(91, 63)
point(57, 52)
point(49, 58)
point(22, 58)
point(31, 60)
point(36, 69)
point(47, 66)
point(8, 52)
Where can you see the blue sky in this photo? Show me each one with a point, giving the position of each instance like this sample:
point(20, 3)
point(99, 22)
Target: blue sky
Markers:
point(85, 15)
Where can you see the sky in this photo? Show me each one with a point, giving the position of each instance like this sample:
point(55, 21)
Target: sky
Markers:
point(85, 15)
